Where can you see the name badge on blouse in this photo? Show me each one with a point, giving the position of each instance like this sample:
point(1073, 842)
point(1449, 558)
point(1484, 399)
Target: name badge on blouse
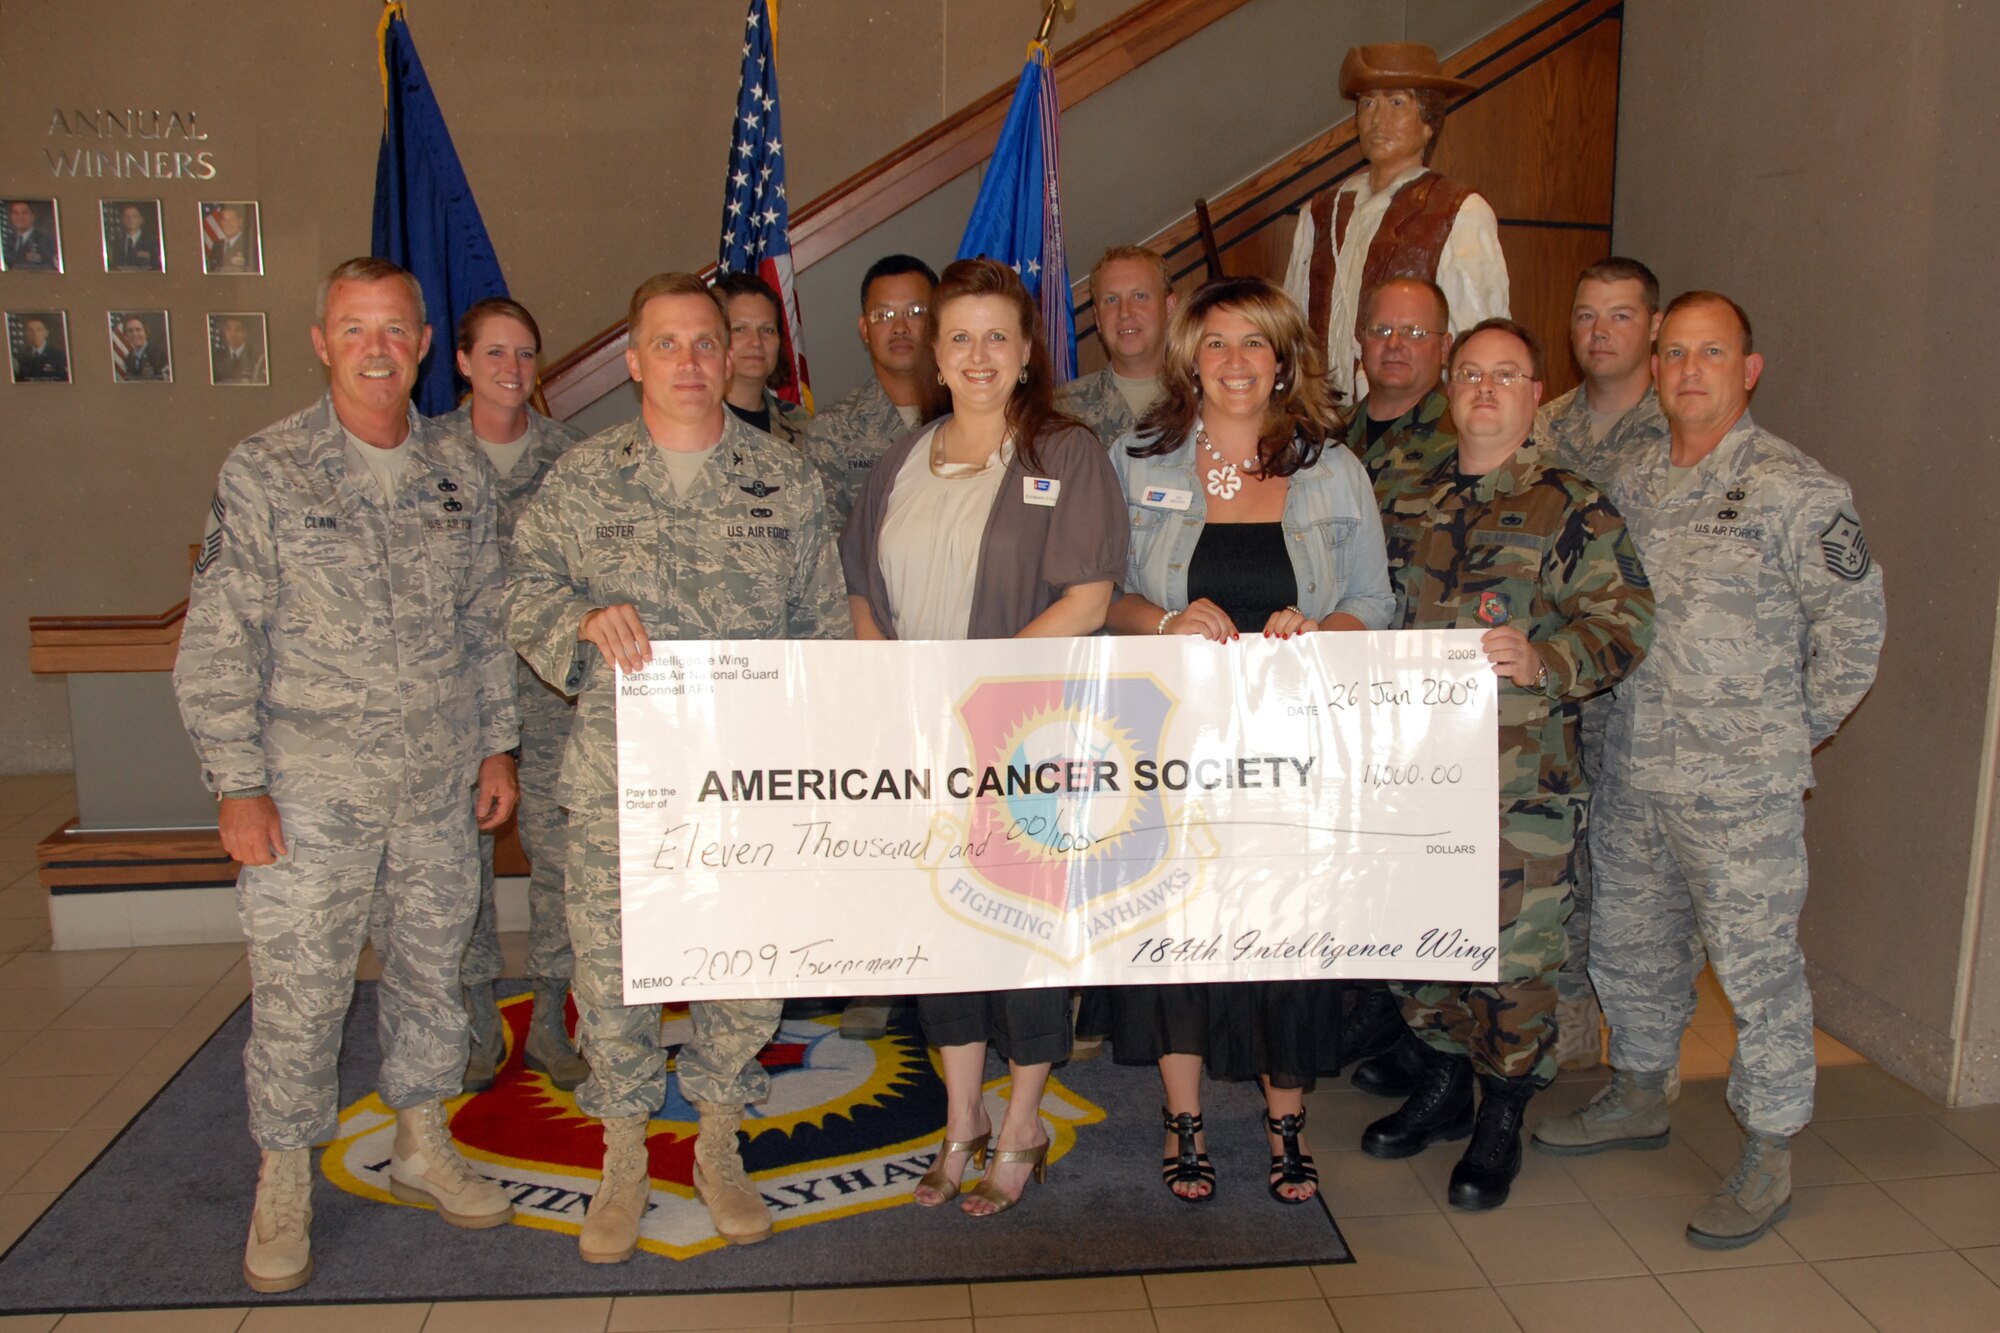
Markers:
point(1163, 497)
point(1040, 491)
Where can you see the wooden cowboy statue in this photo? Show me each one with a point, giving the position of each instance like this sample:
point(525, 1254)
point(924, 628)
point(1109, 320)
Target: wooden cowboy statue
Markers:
point(1397, 219)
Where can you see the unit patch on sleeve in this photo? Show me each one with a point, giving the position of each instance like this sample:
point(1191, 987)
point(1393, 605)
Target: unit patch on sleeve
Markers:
point(1846, 550)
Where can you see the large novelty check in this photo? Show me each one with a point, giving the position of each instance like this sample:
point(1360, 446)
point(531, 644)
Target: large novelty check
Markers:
point(843, 818)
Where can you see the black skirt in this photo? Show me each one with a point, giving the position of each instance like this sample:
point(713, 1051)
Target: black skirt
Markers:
point(1024, 1027)
point(1242, 1030)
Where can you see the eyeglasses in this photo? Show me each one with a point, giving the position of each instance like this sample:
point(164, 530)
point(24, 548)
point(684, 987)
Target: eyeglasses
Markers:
point(1472, 377)
point(1411, 333)
point(883, 314)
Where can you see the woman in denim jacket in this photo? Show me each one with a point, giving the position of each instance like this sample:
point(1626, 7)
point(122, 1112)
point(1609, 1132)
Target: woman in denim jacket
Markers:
point(1248, 515)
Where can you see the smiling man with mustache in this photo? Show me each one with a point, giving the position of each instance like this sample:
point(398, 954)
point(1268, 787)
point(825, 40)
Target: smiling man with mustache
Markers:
point(344, 677)
point(1398, 219)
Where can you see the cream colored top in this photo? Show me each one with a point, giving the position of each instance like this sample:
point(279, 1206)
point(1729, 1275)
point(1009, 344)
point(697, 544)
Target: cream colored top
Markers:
point(1138, 394)
point(932, 529)
point(503, 457)
point(386, 466)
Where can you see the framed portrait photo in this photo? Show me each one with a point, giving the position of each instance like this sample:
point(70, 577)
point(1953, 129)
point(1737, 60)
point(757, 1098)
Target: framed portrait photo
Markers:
point(141, 352)
point(30, 237)
point(238, 350)
point(132, 240)
point(38, 346)
point(231, 241)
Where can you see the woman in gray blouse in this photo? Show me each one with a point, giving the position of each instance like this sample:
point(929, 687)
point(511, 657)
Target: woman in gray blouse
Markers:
point(954, 538)
point(1249, 516)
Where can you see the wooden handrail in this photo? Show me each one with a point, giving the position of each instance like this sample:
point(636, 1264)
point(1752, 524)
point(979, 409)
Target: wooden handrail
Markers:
point(893, 183)
point(1287, 184)
point(61, 644)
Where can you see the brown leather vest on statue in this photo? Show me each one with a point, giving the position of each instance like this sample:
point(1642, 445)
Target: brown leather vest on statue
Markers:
point(1406, 245)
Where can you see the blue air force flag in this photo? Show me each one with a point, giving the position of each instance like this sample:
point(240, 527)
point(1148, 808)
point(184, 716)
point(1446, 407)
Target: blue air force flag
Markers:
point(425, 216)
point(1018, 218)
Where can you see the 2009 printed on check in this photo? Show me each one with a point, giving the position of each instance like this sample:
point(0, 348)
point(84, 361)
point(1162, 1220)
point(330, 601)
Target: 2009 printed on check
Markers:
point(842, 818)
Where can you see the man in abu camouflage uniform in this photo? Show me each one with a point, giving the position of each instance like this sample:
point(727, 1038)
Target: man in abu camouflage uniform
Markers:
point(1133, 294)
point(1772, 619)
point(1612, 416)
point(684, 524)
point(1402, 425)
point(498, 343)
point(847, 437)
point(344, 678)
point(1491, 536)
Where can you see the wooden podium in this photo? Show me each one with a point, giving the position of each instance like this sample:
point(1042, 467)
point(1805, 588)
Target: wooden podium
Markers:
point(141, 863)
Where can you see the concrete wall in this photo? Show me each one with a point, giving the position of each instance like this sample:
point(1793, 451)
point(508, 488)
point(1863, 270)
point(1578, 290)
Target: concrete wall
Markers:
point(594, 137)
point(1832, 167)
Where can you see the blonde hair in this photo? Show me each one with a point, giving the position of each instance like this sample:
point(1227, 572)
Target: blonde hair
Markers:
point(1138, 254)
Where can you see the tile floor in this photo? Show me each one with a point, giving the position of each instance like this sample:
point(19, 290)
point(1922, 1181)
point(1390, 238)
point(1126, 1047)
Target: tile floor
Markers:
point(1896, 1224)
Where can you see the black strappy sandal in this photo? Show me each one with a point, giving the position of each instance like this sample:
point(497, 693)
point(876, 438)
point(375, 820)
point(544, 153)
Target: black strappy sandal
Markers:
point(1291, 1167)
point(1188, 1167)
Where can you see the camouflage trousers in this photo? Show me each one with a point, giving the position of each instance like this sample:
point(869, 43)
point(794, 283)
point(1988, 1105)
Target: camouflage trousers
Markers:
point(1573, 981)
point(1509, 1027)
point(390, 859)
point(544, 829)
point(1683, 878)
point(628, 1070)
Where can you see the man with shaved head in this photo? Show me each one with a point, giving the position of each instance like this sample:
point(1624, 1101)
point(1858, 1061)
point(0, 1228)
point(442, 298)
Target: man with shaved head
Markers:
point(1771, 620)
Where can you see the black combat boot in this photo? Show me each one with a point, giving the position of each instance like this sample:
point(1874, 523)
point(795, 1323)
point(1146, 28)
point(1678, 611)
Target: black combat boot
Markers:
point(1373, 1022)
point(1439, 1110)
point(1394, 1073)
point(1483, 1177)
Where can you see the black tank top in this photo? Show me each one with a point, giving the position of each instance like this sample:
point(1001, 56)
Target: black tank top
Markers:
point(1243, 568)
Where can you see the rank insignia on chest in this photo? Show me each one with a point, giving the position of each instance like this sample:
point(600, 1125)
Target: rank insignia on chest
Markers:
point(447, 485)
point(1512, 520)
point(1493, 609)
point(759, 488)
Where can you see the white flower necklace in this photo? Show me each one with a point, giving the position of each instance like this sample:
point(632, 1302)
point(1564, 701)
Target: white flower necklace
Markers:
point(1226, 479)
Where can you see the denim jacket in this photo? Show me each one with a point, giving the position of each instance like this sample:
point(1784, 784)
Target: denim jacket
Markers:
point(1333, 532)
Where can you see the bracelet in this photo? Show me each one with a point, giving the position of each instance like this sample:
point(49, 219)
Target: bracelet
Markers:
point(1161, 628)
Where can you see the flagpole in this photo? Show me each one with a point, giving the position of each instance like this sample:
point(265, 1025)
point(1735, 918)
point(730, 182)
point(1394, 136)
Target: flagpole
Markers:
point(1068, 8)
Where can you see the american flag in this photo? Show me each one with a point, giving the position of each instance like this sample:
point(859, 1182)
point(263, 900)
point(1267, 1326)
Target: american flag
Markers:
point(756, 221)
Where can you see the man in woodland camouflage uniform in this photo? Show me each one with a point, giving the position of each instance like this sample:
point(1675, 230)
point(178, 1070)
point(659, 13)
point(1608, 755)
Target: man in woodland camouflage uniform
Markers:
point(1491, 537)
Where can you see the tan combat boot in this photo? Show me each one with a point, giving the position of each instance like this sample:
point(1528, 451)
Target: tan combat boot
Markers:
point(488, 1046)
point(1579, 1033)
point(1756, 1197)
point(547, 1049)
point(278, 1255)
point(734, 1204)
point(1631, 1112)
point(611, 1227)
point(425, 1167)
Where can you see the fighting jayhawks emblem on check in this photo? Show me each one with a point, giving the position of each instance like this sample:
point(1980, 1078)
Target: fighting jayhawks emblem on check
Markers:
point(849, 1127)
point(1064, 852)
